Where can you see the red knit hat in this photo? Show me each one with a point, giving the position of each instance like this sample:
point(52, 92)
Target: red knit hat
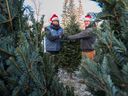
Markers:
point(87, 17)
point(54, 17)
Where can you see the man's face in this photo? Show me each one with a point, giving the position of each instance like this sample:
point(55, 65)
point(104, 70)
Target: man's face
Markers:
point(55, 22)
point(87, 23)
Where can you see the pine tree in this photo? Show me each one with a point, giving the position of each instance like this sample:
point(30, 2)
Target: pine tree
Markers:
point(80, 9)
point(71, 8)
point(107, 75)
point(64, 15)
point(23, 70)
point(68, 11)
point(79, 12)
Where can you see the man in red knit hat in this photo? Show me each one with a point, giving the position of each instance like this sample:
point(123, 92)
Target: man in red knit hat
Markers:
point(87, 39)
point(53, 35)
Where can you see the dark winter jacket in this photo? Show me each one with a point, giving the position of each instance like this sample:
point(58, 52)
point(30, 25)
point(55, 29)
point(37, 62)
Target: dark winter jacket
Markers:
point(87, 39)
point(52, 39)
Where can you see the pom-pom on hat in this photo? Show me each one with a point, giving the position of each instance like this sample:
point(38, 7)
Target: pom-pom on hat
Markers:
point(54, 17)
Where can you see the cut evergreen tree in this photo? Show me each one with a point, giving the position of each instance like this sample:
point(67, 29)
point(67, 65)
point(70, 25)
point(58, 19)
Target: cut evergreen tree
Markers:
point(69, 57)
point(70, 54)
point(23, 70)
point(107, 75)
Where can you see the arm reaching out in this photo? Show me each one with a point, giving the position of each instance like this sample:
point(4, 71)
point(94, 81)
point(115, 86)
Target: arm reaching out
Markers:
point(84, 34)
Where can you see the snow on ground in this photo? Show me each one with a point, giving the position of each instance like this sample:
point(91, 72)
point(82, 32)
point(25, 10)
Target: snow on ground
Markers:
point(80, 88)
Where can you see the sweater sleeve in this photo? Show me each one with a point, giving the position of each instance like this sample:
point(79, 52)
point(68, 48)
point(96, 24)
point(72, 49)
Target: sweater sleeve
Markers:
point(50, 36)
point(84, 34)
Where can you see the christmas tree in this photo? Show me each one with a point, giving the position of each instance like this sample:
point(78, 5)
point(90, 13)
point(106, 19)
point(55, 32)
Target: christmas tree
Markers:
point(69, 57)
point(24, 70)
point(107, 75)
point(70, 54)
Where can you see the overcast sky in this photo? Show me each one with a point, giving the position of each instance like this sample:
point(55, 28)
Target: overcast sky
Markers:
point(48, 7)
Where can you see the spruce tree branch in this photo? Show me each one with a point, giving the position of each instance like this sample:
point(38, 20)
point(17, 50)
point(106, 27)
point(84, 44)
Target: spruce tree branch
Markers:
point(9, 54)
point(9, 13)
point(17, 65)
point(30, 73)
point(9, 20)
point(95, 77)
point(33, 76)
point(23, 56)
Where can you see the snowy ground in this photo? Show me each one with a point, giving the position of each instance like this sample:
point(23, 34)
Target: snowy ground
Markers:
point(80, 88)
